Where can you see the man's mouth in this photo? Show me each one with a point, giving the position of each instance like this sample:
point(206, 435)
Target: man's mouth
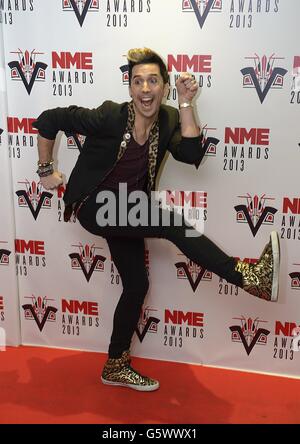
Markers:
point(147, 102)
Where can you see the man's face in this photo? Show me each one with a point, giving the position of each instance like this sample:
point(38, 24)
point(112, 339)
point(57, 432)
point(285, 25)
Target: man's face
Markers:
point(147, 89)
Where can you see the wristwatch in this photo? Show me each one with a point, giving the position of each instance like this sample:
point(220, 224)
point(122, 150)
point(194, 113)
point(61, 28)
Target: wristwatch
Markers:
point(185, 105)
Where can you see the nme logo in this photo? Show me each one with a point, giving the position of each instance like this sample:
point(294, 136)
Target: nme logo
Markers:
point(15, 125)
point(239, 136)
point(34, 198)
point(29, 254)
point(195, 199)
point(20, 134)
point(264, 75)
point(178, 317)
point(65, 60)
point(248, 333)
point(193, 272)
point(184, 63)
point(200, 65)
point(32, 247)
point(255, 213)
point(201, 8)
point(81, 8)
point(87, 260)
point(147, 323)
point(70, 70)
point(27, 69)
point(86, 307)
point(40, 311)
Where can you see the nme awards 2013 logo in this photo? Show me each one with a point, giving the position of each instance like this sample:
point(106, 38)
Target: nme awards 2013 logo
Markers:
point(4, 255)
point(70, 70)
point(87, 260)
point(199, 65)
point(77, 315)
point(192, 272)
point(34, 198)
point(242, 145)
point(29, 253)
point(255, 213)
point(27, 69)
point(21, 135)
point(264, 76)
point(179, 326)
point(39, 311)
point(249, 333)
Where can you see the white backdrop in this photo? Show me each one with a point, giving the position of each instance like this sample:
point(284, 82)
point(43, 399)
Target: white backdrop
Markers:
point(246, 58)
point(9, 301)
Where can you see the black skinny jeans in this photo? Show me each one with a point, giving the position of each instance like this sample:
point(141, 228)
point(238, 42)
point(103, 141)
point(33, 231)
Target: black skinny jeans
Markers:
point(126, 246)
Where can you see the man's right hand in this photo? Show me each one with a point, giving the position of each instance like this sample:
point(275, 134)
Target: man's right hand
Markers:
point(52, 181)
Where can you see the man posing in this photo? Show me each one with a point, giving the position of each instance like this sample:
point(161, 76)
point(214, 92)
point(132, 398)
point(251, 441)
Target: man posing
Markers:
point(126, 144)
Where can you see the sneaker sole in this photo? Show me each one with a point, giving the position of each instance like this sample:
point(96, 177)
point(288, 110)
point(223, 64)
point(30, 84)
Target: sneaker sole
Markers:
point(139, 388)
point(276, 263)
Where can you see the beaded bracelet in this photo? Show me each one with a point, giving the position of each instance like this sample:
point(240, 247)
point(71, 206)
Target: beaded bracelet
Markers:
point(45, 164)
point(45, 171)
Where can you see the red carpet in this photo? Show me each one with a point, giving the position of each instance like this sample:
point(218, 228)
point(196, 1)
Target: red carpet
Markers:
point(43, 385)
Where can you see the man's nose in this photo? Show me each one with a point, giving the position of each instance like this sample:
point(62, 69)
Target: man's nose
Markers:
point(145, 86)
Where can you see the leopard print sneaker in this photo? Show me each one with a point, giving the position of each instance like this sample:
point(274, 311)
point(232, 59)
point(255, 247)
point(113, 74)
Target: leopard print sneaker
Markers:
point(262, 279)
point(119, 372)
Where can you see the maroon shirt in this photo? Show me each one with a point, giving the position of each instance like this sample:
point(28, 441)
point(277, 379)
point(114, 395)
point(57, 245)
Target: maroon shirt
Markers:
point(132, 168)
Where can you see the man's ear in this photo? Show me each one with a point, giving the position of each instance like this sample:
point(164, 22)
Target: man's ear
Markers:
point(166, 89)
